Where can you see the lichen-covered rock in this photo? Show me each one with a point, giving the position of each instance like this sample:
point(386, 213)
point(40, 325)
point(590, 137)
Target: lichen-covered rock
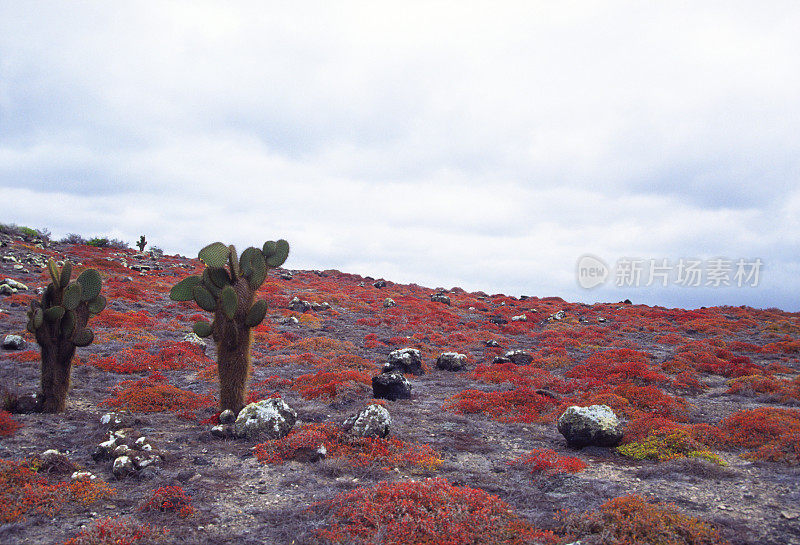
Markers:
point(123, 466)
point(519, 357)
point(112, 421)
point(596, 425)
point(491, 343)
point(440, 298)
point(83, 476)
point(379, 284)
point(194, 339)
point(451, 361)
point(406, 360)
point(373, 421)
point(391, 385)
point(271, 418)
point(13, 342)
point(389, 303)
point(297, 305)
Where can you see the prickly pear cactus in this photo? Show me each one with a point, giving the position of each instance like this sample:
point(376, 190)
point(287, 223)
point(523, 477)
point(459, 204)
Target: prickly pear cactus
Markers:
point(59, 323)
point(227, 288)
point(142, 243)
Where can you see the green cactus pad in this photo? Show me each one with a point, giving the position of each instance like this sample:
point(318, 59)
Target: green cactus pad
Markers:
point(182, 291)
point(68, 324)
point(208, 284)
point(91, 283)
point(66, 273)
point(229, 301)
point(204, 299)
point(214, 255)
point(278, 257)
point(54, 273)
point(244, 261)
point(202, 329)
point(38, 318)
point(97, 304)
point(269, 248)
point(72, 294)
point(219, 276)
point(54, 314)
point(83, 337)
point(258, 267)
point(256, 314)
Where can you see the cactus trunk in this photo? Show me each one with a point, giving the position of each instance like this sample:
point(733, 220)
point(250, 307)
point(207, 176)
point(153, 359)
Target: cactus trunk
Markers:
point(233, 339)
point(233, 363)
point(56, 369)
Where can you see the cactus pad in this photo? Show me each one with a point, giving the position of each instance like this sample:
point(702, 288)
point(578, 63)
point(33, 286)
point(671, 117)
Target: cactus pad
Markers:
point(182, 291)
point(84, 337)
point(68, 323)
point(256, 314)
point(229, 301)
point(54, 273)
point(54, 314)
point(279, 255)
point(218, 276)
point(66, 273)
point(214, 255)
point(202, 329)
point(72, 295)
point(204, 299)
point(91, 283)
point(97, 304)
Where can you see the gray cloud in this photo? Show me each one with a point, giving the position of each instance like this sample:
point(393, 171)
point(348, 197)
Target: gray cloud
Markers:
point(486, 146)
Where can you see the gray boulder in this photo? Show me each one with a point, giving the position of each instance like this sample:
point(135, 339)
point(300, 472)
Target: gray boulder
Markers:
point(596, 425)
point(372, 421)
point(451, 361)
point(271, 418)
point(407, 360)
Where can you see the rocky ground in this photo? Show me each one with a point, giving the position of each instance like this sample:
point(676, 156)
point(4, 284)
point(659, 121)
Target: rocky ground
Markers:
point(238, 500)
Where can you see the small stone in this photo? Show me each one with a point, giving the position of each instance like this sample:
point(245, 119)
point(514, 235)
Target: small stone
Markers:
point(440, 298)
point(227, 417)
point(491, 343)
point(379, 284)
point(29, 403)
point(389, 303)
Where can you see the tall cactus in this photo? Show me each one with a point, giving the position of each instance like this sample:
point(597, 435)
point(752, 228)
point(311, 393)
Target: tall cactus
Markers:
point(230, 294)
point(142, 243)
point(59, 323)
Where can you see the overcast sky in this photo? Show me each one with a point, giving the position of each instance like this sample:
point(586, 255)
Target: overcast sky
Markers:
point(487, 145)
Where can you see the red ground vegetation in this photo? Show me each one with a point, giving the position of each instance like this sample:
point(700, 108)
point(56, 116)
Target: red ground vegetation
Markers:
point(432, 512)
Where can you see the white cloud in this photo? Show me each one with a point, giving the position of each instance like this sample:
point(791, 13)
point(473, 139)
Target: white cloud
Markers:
point(444, 143)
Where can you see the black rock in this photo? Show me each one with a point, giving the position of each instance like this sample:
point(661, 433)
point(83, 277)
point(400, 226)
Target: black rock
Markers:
point(392, 385)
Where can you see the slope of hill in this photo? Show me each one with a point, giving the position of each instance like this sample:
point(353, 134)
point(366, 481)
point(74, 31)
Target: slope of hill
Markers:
point(709, 397)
